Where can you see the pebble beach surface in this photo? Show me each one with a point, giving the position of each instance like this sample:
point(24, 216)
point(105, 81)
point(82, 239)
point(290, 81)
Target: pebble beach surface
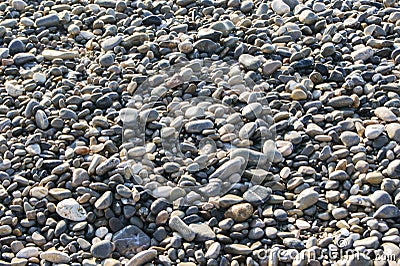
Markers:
point(208, 132)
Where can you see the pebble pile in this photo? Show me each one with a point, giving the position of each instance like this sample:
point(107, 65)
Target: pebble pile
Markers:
point(199, 132)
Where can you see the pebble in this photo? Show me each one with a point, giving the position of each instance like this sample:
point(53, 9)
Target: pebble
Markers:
point(308, 17)
point(213, 251)
point(176, 224)
point(18, 5)
point(55, 256)
point(110, 43)
point(328, 49)
point(129, 239)
point(257, 195)
point(28, 252)
point(298, 95)
point(16, 46)
point(106, 60)
point(55, 54)
point(362, 54)
point(142, 258)
point(374, 131)
point(385, 114)
point(279, 7)
point(102, 249)
point(23, 58)
point(307, 198)
point(104, 201)
point(239, 212)
point(393, 131)
point(79, 176)
point(47, 21)
point(70, 209)
point(350, 138)
point(293, 243)
point(250, 62)
point(380, 197)
point(39, 192)
point(107, 165)
point(205, 45)
point(41, 119)
point(387, 211)
point(39, 78)
point(393, 169)
point(339, 213)
point(271, 67)
point(186, 47)
point(152, 20)
point(225, 26)
point(237, 249)
point(198, 126)
point(203, 232)
point(302, 225)
point(5, 230)
point(369, 242)
point(229, 200)
point(390, 248)
point(341, 101)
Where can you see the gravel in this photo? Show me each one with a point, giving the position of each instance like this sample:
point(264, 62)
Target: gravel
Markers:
point(199, 132)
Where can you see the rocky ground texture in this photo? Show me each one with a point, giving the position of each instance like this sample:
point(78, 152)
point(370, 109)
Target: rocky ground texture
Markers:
point(285, 115)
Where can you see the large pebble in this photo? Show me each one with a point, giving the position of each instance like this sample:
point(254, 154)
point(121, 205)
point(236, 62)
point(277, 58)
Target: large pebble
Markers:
point(250, 62)
point(176, 224)
point(280, 7)
point(110, 43)
point(240, 212)
point(142, 257)
point(102, 249)
point(350, 138)
point(41, 119)
point(70, 209)
point(104, 201)
point(257, 194)
point(393, 131)
point(129, 239)
point(393, 169)
point(362, 54)
point(55, 256)
point(373, 131)
point(223, 26)
point(307, 198)
point(308, 17)
point(237, 249)
point(385, 114)
point(48, 21)
point(58, 54)
point(198, 126)
point(28, 252)
point(387, 211)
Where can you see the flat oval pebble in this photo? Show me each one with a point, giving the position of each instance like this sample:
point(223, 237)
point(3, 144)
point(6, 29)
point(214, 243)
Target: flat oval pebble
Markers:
point(385, 114)
point(142, 257)
point(55, 256)
point(307, 198)
point(349, 138)
point(70, 209)
point(239, 212)
point(257, 194)
point(129, 239)
point(373, 131)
